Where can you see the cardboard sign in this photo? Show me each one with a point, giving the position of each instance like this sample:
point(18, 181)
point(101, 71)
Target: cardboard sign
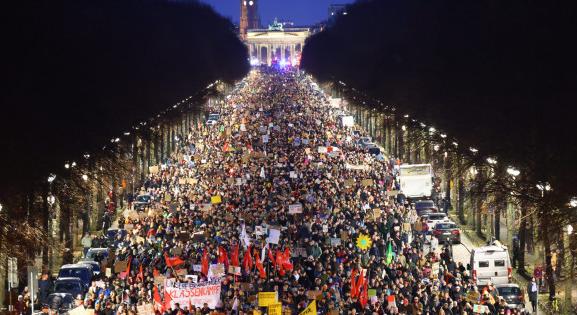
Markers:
point(313, 294)
point(349, 182)
point(367, 182)
point(267, 298)
point(120, 266)
point(153, 169)
point(215, 200)
point(344, 235)
point(145, 309)
point(295, 208)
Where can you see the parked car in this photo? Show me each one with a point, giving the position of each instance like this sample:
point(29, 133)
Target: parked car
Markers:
point(437, 217)
point(212, 119)
point(70, 285)
point(97, 253)
point(95, 266)
point(82, 271)
point(141, 202)
point(447, 232)
point(425, 207)
point(491, 263)
point(60, 303)
point(512, 294)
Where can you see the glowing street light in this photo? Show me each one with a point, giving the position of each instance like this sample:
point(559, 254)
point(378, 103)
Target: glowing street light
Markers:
point(573, 202)
point(473, 150)
point(513, 171)
point(51, 200)
point(1, 206)
point(85, 177)
point(51, 178)
point(491, 161)
point(67, 165)
point(404, 127)
point(443, 136)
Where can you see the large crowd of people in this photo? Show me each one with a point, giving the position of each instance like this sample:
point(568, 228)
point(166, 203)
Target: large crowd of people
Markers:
point(277, 188)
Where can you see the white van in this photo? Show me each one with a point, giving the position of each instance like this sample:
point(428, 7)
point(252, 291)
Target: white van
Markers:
point(491, 263)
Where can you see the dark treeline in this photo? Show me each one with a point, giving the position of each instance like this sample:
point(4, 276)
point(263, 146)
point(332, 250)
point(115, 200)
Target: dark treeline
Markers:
point(497, 75)
point(77, 73)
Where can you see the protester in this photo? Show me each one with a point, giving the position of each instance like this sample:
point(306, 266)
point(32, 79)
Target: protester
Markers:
point(278, 189)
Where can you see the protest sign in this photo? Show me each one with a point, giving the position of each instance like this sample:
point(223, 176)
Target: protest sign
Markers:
point(481, 309)
point(275, 309)
point(295, 208)
point(322, 149)
point(196, 268)
point(367, 182)
point(349, 182)
point(273, 236)
point(372, 292)
point(194, 293)
point(267, 298)
point(335, 241)
point(153, 170)
point(215, 200)
point(216, 271)
point(120, 266)
point(234, 270)
point(260, 230)
point(145, 309)
point(313, 294)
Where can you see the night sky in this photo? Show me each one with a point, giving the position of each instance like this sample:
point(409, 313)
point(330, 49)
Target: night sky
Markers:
point(302, 12)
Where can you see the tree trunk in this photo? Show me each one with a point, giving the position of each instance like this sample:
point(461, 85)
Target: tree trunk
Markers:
point(549, 276)
point(522, 236)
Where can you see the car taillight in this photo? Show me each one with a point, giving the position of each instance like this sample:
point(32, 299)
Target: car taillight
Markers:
point(510, 273)
point(456, 232)
point(437, 232)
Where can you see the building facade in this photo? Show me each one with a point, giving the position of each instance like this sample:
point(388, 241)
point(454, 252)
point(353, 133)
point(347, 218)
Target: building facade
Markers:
point(276, 45)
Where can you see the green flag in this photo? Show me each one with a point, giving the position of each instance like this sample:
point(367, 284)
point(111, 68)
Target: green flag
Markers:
point(389, 254)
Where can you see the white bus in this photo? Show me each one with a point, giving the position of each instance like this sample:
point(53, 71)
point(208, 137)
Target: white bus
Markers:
point(416, 180)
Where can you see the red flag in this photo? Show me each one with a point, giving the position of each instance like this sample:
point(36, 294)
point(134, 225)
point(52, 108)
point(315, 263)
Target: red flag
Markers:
point(126, 273)
point(354, 288)
point(173, 262)
point(157, 300)
point(204, 261)
point(258, 263)
point(225, 147)
point(271, 257)
point(279, 262)
point(140, 273)
point(364, 295)
point(234, 256)
point(167, 300)
point(361, 281)
point(286, 262)
point(222, 256)
point(247, 261)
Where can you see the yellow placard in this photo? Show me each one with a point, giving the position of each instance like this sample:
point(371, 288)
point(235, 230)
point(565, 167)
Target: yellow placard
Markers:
point(215, 200)
point(275, 309)
point(267, 298)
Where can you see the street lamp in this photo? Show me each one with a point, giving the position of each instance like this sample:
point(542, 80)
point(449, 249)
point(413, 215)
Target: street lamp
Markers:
point(85, 177)
point(573, 202)
point(474, 150)
point(513, 171)
point(51, 178)
point(491, 161)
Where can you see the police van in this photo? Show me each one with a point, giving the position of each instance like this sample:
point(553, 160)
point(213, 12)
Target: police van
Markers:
point(491, 263)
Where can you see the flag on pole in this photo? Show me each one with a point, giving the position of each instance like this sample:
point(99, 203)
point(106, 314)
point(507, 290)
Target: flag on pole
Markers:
point(204, 262)
point(389, 254)
point(311, 309)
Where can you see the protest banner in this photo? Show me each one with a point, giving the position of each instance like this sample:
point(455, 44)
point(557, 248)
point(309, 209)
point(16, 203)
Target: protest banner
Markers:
point(267, 298)
point(295, 208)
point(194, 293)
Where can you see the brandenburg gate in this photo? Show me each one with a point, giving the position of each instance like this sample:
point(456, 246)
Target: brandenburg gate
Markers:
point(276, 45)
